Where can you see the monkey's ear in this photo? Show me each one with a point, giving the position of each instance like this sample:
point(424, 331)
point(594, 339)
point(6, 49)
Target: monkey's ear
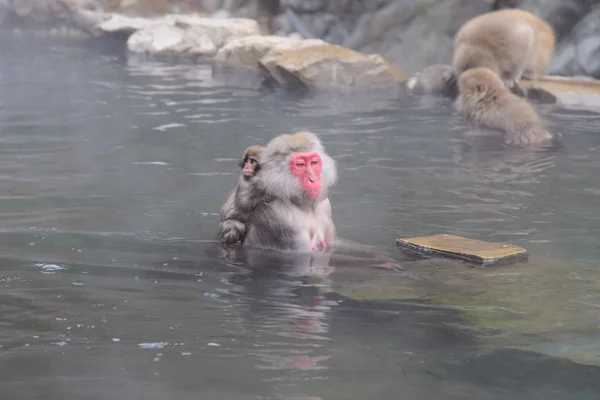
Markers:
point(479, 87)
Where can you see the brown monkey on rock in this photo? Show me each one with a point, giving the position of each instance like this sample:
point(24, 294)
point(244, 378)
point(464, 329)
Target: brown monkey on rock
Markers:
point(287, 215)
point(513, 43)
point(484, 101)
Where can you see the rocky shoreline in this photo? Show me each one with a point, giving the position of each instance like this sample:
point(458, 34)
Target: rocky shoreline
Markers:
point(235, 44)
point(183, 32)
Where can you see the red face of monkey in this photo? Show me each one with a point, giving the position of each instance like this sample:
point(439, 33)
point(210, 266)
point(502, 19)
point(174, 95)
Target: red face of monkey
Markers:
point(307, 167)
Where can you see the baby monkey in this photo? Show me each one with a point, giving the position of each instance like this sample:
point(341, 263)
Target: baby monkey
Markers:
point(234, 211)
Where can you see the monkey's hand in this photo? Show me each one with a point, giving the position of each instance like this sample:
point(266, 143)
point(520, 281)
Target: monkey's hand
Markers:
point(231, 231)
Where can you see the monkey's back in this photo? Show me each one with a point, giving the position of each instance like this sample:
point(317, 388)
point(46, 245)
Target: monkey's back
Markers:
point(543, 47)
point(504, 111)
point(522, 123)
point(500, 40)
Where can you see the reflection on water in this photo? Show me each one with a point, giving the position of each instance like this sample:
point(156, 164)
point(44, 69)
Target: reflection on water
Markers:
point(112, 285)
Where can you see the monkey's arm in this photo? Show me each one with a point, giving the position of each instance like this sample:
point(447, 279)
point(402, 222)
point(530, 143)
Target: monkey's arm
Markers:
point(232, 225)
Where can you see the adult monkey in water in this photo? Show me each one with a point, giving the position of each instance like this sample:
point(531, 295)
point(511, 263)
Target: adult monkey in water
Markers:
point(295, 175)
point(237, 206)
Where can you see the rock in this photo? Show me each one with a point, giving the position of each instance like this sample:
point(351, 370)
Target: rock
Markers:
point(211, 5)
point(246, 52)
point(329, 66)
point(322, 24)
point(189, 36)
point(93, 5)
point(149, 8)
point(36, 11)
point(203, 38)
point(574, 92)
point(232, 4)
point(220, 31)
point(308, 6)
point(221, 14)
point(562, 15)
point(173, 35)
point(88, 21)
point(116, 23)
point(410, 34)
point(47, 11)
point(587, 43)
point(159, 40)
point(437, 79)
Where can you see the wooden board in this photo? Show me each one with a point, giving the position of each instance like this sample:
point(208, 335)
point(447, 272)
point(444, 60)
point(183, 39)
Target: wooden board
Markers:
point(476, 251)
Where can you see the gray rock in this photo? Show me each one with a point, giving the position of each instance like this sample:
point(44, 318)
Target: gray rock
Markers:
point(304, 6)
point(222, 14)
point(157, 40)
point(564, 60)
point(188, 36)
point(410, 33)
point(282, 25)
point(587, 43)
point(116, 23)
point(232, 4)
point(212, 5)
point(563, 15)
point(322, 24)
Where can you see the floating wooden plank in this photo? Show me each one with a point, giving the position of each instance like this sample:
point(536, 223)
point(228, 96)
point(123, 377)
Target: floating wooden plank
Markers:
point(472, 250)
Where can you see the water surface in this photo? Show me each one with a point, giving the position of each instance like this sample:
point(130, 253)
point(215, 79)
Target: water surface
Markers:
point(112, 286)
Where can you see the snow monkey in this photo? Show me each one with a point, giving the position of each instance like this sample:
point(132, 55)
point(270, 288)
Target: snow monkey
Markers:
point(484, 101)
point(513, 43)
point(290, 209)
point(234, 211)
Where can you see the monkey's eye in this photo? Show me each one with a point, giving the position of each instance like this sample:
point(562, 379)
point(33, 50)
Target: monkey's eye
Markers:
point(300, 164)
point(314, 162)
point(252, 161)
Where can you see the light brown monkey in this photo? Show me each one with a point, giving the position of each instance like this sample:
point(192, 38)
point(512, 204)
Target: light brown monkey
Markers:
point(510, 42)
point(484, 101)
point(543, 48)
point(235, 210)
point(295, 175)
